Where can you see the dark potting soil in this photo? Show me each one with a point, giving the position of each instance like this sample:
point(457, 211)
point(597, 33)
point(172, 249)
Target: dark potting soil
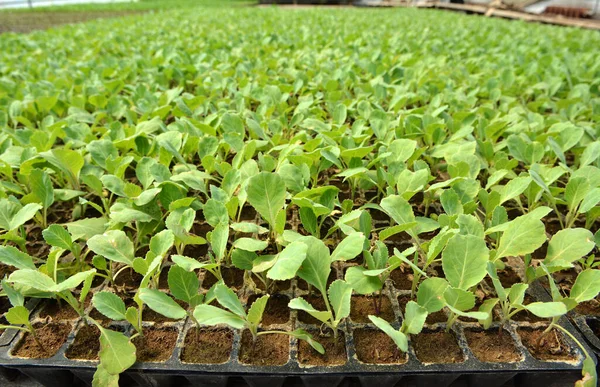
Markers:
point(335, 350)
point(276, 311)
point(589, 308)
point(271, 349)
point(492, 347)
point(552, 346)
point(437, 347)
point(375, 347)
point(207, 346)
point(51, 335)
point(86, 344)
point(127, 280)
point(58, 310)
point(234, 278)
point(274, 286)
point(432, 318)
point(156, 345)
point(363, 306)
point(402, 279)
point(508, 277)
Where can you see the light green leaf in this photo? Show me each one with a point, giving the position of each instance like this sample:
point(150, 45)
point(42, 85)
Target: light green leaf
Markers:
point(57, 236)
point(33, 279)
point(430, 294)
point(113, 245)
point(257, 309)
point(464, 261)
point(229, 299)
point(162, 304)
point(567, 246)
point(12, 256)
point(110, 305)
point(250, 244)
point(23, 215)
point(183, 284)
point(339, 296)
point(316, 267)
point(211, 315)
point(547, 309)
point(523, 236)
point(288, 261)
point(266, 193)
point(399, 338)
point(17, 315)
point(41, 187)
point(300, 303)
point(398, 209)
point(586, 286)
point(414, 318)
point(349, 247)
point(117, 353)
point(361, 283)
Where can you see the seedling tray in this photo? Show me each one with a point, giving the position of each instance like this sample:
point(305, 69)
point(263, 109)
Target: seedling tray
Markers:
point(59, 371)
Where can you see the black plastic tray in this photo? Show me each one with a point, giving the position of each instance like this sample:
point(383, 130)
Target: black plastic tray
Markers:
point(58, 371)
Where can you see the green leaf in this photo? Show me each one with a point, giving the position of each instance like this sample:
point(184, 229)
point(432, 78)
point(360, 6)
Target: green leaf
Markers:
point(390, 231)
point(17, 315)
point(339, 297)
point(266, 193)
point(161, 243)
point(414, 318)
point(316, 267)
point(183, 284)
point(361, 283)
point(211, 315)
point(190, 264)
point(103, 379)
point(575, 191)
point(41, 187)
point(300, 303)
point(86, 228)
point(399, 338)
point(23, 215)
point(349, 247)
point(229, 299)
point(218, 240)
point(398, 209)
point(257, 309)
point(586, 286)
point(73, 281)
point(591, 199)
point(110, 305)
point(117, 353)
point(162, 304)
point(430, 294)
point(459, 299)
point(547, 309)
point(250, 244)
point(288, 262)
point(57, 236)
point(12, 256)
point(215, 212)
point(113, 245)
point(301, 334)
point(567, 246)
point(33, 279)
point(465, 260)
point(523, 236)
